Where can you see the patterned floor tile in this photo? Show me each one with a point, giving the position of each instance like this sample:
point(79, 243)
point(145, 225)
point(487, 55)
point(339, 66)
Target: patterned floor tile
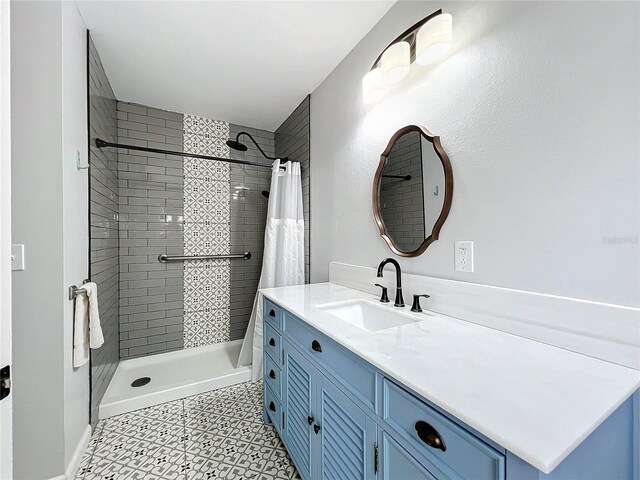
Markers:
point(214, 435)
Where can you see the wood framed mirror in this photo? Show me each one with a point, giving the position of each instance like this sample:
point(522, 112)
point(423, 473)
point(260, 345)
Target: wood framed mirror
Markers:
point(412, 191)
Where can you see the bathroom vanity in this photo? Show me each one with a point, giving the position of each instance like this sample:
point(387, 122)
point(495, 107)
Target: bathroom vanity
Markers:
point(359, 390)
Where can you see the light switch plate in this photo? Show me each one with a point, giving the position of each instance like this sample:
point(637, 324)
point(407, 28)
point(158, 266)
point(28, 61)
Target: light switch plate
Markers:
point(464, 256)
point(17, 257)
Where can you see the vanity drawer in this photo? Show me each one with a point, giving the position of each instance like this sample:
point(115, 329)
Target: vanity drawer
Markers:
point(273, 376)
point(272, 343)
point(461, 454)
point(357, 376)
point(274, 408)
point(273, 313)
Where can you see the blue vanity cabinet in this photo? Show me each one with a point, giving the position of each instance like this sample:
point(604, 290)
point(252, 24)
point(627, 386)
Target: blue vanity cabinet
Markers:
point(347, 436)
point(299, 400)
point(327, 435)
point(341, 418)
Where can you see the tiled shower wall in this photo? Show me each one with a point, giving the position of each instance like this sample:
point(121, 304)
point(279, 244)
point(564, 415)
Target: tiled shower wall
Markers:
point(192, 207)
point(151, 223)
point(103, 208)
point(292, 140)
point(248, 222)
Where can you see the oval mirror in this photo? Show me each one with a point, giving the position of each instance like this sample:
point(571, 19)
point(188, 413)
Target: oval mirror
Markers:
point(412, 191)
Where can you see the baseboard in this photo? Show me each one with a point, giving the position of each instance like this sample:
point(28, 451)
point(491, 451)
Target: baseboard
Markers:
point(74, 463)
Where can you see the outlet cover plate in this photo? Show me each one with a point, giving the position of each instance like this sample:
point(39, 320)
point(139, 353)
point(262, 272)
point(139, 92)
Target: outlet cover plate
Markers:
point(464, 256)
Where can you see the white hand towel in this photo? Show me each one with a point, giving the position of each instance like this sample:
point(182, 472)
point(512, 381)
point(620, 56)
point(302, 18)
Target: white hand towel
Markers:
point(87, 330)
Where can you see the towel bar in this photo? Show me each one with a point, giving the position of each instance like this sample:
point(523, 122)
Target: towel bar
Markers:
point(74, 291)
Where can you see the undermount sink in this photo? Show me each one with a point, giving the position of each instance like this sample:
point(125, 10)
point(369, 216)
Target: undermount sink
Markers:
point(367, 315)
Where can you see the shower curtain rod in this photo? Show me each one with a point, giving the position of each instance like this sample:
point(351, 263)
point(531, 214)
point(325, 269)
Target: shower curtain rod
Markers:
point(102, 144)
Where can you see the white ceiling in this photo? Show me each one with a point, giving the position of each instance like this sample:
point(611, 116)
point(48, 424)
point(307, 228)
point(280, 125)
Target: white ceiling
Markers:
point(245, 62)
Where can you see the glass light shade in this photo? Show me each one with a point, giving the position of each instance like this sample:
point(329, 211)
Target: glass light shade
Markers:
point(395, 63)
point(372, 87)
point(434, 38)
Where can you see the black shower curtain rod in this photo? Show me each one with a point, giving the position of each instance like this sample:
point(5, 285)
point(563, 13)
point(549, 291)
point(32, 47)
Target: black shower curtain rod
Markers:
point(102, 144)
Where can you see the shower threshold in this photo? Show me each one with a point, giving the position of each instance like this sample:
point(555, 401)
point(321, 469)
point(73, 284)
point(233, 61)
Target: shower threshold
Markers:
point(172, 375)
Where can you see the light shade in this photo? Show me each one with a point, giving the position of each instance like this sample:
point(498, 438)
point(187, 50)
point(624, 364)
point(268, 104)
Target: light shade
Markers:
point(372, 87)
point(434, 38)
point(395, 63)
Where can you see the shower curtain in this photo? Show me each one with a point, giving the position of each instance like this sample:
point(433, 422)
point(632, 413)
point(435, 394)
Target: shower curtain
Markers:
point(283, 262)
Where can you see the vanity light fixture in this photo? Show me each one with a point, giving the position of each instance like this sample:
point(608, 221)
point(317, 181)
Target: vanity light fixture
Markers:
point(424, 43)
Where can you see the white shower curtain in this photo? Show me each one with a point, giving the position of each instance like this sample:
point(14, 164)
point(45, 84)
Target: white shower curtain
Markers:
point(283, 262)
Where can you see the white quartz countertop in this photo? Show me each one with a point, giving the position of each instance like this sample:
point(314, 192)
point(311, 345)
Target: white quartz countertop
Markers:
point(537, 401)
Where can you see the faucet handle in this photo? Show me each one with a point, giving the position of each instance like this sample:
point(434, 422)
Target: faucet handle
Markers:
point(416, 303)
point(384, 298)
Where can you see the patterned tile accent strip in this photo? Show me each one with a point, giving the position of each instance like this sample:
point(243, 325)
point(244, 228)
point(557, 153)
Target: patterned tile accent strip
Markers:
point(215, 435)
point(103, 210)
point(207, 232)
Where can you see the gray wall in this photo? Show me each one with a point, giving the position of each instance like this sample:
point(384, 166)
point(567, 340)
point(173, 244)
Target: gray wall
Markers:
point(293, 141)
point(151, 223)
point(548, 191)
point(248, 222)
point(401, 201)
point(103, 195)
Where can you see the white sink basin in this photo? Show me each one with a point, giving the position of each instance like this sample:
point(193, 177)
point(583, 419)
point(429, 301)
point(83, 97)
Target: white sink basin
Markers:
point(367, 315)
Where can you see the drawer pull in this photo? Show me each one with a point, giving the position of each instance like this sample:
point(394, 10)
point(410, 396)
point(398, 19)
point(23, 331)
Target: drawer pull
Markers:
point(272, 406)
point(316, 428)
point(315, 346)
point(310, 420)
point(272, 313)
point(430, 436)
point(272, 375)
point(272, 342)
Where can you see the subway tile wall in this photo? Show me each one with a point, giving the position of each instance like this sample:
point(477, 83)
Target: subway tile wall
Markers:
point(248, 222)
point(103, 210)
point(292, 139)
point(151, 223)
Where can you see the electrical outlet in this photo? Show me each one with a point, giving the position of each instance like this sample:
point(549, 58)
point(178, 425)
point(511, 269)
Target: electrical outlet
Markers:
point(464, 256)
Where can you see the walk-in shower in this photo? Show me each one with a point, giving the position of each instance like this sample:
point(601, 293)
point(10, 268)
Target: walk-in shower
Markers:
point(177, 239)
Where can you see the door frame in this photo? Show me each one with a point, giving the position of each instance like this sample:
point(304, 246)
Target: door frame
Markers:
point(6, 427)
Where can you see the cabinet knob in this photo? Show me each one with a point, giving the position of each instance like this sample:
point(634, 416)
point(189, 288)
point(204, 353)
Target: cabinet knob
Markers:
point(272, 342)
point(310, 420)
point(272, 406)
point(272, 313)
point(315, 346)
point(272, 375)
point(316, 428)
point(430, 435)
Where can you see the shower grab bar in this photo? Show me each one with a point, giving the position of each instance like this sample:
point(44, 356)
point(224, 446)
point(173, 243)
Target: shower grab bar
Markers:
point(167, 259)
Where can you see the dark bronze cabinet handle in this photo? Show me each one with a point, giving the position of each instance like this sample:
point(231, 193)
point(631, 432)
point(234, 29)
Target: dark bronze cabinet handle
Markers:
point(315, 346)
point(430, 436)
point(316, 428)
point(272, 313)
point(272, 407)
point(272, 375)
point(272, 342)
point(310, 419)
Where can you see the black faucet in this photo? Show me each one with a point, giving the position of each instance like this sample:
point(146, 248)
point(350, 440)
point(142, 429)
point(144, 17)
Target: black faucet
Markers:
point(399, 302)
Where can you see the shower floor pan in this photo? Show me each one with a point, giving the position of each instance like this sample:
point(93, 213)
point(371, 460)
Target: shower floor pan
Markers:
point(173, 375)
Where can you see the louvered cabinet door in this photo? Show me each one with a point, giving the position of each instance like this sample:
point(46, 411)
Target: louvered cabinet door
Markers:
point(299, 398)
point(347, 437)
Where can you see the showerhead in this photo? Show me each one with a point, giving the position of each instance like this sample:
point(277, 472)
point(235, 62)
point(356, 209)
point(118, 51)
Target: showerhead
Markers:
point(236, 145)
point(265, 193)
